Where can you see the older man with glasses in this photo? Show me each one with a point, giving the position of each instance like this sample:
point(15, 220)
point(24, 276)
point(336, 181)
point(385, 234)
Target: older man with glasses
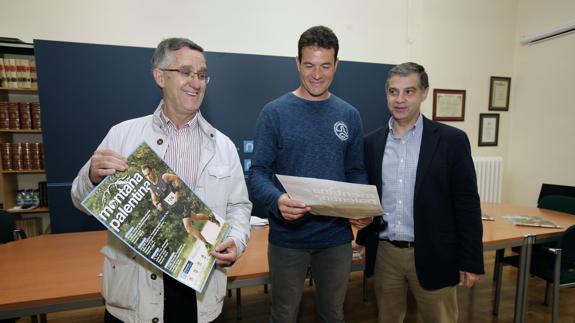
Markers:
point(205, 159)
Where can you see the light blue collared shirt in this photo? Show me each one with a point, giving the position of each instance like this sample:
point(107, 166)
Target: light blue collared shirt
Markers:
point(399, 169)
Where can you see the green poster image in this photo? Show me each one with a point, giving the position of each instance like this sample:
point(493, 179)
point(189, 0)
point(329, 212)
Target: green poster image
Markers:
point(156, 214)
point(530, 221)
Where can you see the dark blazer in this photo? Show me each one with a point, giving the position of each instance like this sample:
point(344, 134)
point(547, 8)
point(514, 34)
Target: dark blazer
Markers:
point(447, 213)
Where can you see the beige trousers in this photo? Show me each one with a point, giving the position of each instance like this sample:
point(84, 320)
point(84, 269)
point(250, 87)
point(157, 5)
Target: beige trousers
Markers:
point(394, 274)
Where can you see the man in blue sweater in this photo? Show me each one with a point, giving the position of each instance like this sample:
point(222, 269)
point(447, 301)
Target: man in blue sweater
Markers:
point(309, 133)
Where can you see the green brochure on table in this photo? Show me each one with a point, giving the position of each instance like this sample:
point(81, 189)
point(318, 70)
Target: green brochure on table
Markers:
point(531, 221)
point(158, 216)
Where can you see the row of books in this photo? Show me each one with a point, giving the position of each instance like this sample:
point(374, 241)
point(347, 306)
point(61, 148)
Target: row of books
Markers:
point(20, 115)
point(22, 155)
point(18, 73)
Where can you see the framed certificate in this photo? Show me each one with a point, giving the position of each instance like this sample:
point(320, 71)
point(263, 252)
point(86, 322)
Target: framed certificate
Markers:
point(448, 105)
point(488, 129)
point(499, 89)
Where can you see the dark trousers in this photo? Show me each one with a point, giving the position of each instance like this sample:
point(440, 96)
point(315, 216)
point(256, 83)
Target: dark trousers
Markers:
point(330, 270)
point(179, 303)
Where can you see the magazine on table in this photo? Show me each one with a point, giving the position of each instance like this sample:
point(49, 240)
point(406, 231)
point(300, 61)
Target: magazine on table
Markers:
point(158, 216)
point(486, 217)
point(532, 221)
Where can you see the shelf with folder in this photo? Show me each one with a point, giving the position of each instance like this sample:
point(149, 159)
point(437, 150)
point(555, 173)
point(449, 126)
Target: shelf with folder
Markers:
point(20, 130)
point(30, 211)
point(16, 90)
point(22, 172)
point(12, 184)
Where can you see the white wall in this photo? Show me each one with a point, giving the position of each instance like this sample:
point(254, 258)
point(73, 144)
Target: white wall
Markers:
point(250, 26)
point(542, 149)
point(461, 43)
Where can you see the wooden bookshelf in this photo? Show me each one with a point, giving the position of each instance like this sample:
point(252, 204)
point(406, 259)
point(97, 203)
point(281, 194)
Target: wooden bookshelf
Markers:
point(30, 211)
point(21, 172)
point(20, 130)
point(16, 90)
point(24, 171)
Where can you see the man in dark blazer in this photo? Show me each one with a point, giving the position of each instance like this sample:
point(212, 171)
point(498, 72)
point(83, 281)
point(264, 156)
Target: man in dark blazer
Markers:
point(430, 237)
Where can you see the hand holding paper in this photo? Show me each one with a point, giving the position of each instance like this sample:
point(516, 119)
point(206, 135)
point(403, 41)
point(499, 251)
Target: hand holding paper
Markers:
point(361, 223)
point(291, 209)
point(226, 253)
point(104, 163)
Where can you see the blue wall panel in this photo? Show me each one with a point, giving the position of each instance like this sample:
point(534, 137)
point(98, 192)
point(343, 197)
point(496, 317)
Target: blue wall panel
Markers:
point(87, 88)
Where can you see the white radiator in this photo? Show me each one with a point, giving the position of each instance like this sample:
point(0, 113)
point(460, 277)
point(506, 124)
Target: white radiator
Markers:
point(489, 178)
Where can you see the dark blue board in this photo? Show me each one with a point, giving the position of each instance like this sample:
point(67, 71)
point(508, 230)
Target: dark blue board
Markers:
point(87, 88)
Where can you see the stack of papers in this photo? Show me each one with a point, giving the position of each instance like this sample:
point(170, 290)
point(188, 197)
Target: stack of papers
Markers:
point(258, 222)
point(532, 221)
point(487, 217)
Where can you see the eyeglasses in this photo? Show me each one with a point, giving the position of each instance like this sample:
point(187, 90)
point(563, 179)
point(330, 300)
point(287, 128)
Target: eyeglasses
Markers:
point(186, 72)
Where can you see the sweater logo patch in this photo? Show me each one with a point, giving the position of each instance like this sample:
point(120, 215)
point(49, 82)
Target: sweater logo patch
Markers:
point(340, 130)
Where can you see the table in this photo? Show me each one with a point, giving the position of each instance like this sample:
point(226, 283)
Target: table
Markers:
point(51, 273)
point(60, 272)
point(252, 268)
point(501, 234)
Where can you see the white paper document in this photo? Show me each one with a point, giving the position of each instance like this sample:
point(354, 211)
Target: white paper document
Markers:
point(258, 222)
point(333, 198)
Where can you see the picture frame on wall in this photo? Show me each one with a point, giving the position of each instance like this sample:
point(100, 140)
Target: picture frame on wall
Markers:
point(499, 90)
point(448, 105)
point(488, 129)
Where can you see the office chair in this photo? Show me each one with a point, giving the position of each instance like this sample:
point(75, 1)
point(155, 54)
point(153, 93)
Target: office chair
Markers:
point(554, 189)
point(561, 203)
point(554, 265)
point(8, 230)
point(8, 233)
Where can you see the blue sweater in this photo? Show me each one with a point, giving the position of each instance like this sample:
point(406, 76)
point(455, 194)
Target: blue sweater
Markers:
point(297, 137)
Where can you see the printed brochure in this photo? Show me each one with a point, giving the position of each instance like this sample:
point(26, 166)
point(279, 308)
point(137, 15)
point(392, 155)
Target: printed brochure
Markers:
point(532, 221)
point(156, 214)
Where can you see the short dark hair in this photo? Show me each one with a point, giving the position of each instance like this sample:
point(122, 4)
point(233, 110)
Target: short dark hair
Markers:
point(161, 58)
point(406, 69)
point(319, 36)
